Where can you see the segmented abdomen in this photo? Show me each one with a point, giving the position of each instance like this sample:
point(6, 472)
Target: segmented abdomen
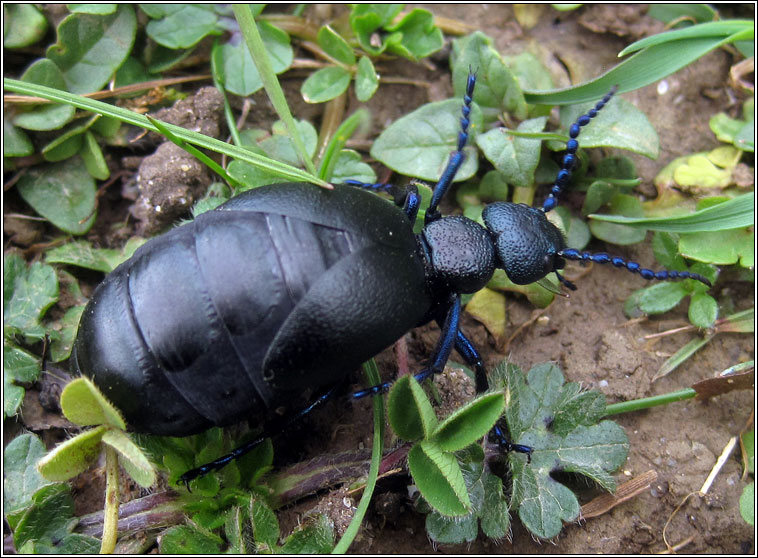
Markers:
point(176, 336)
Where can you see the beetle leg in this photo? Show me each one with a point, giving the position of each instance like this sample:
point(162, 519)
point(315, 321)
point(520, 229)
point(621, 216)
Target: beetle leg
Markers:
point(271, 430)
point(498, 432)
point(472, 357)
point(469, 353)
point(441, 352)
point(405, 197)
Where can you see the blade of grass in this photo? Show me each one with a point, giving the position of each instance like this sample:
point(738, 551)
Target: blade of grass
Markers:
point(345, 130)
point(195, 152)
point(274, 91)
point(372, 377)
point(681, 355)
point(643, 68)
point(647, 402)
point(709, 29)
point(733, 214)
point(287, 172)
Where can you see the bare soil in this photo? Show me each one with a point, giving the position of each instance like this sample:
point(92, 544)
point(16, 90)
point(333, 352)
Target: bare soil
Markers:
point(587, 334)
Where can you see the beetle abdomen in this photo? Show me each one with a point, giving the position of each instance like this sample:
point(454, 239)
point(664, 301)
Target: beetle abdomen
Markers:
point(179, 332)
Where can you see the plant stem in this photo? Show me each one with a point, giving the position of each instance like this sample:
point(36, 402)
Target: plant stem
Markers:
point(647, 402)
point(110, 513)
point(372, 377)
point(257, 49)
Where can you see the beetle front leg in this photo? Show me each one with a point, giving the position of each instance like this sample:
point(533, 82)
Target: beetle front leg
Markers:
point(441, 354)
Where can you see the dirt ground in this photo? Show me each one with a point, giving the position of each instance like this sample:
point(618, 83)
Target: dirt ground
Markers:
point(586, 334)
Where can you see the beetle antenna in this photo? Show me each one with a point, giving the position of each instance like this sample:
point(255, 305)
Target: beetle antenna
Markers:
point(634, 267)
point(569, 159)
point(456, 157)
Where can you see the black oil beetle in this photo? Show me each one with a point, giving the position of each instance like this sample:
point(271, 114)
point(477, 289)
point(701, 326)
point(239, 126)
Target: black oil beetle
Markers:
point(291, 286)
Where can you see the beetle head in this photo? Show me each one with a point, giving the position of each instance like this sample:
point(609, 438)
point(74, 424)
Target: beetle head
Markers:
point(526, 243)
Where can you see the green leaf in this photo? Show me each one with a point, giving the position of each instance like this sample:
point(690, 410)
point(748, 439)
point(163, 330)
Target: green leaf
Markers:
point(438, 477)
point(409, 411)
point(489, 307)
point(81, 253)
point(180, 25)
point(325, 84)
point(238, 532)
point(415, 36)
point(747, 504)
point(620, 124)
point(497, 91)
point(94, 9)
point(665, 249)
point(93, 158)
point(22, 479)
point(557, 421)
point(131, 458)
point(60, 349)
point(366, 80)
point(530, 72)
point(670, 12)
point(535, 293)
point(47, 116)
point(350, 165)
point(15, 142)
point(469, 423)
point(49, 519)
point(451, 530)
point(335, 46)
point(83, 404)
point(621, 204)
point(239, 73)
point(365, 19)
point(703, 310)
point(576, 231)
point(29, 292)
point(515, 157)
point(18, 367)
point(495, 514)
point(264, 523)
point(63, 193)
point(24, 25)
point(748, 443)
point(720, 247)
point(661, 297)
point(184, 539)
point(91, 48)
point(316, 537)
point(419, 144)
point(72, 457)
point(280, 146)
point(64, 146)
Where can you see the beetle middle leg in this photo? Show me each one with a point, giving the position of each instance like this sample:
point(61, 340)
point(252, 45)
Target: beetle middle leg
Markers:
point(271, 430)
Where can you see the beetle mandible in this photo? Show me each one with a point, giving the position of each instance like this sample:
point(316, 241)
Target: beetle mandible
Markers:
point(291, 286)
